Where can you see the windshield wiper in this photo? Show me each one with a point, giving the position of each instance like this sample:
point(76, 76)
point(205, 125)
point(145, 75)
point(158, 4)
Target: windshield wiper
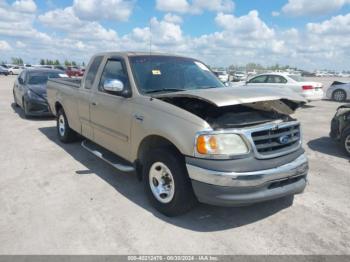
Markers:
point(164, 90)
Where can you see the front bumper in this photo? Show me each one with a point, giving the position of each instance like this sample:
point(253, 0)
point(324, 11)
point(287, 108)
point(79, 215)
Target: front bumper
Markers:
point(243, 188)
point(38, 108)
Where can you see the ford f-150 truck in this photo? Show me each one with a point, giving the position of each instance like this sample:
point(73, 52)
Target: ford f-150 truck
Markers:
point(187, 136)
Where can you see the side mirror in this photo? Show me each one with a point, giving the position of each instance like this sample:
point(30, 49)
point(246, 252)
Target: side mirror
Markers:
point(113, 85)
point(20, 80)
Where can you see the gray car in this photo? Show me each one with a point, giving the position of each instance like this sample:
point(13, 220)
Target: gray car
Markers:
point(29, 90)
point(339, 91)
point(4, 71)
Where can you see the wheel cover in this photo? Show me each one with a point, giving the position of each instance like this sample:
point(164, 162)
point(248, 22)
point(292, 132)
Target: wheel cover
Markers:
point(61, 125)
point(339, 95)
point(347, 144)
point(161, 182)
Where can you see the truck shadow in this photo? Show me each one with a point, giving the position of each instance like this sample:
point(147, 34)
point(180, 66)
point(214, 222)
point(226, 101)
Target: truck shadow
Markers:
point(203, 218)
point(328, 146)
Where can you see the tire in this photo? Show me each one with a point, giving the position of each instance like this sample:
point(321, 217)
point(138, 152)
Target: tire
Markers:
point(15, 100)
point(339, 95)
point(11, 73)
point(25, 108)
point(64, 132)
point(345, 141)
point(170, 168)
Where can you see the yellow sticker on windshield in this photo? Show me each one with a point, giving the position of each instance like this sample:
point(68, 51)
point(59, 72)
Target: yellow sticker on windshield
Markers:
point(156, 72)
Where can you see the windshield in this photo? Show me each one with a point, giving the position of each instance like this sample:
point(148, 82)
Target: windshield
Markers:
point(297, 78)
point(170, 74)
point(41, 78)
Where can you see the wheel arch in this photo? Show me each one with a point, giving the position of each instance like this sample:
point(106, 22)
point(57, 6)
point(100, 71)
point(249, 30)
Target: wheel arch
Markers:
point(147, 144)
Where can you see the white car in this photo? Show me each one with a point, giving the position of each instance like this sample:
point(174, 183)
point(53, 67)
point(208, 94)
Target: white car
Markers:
point(338, 91)
point(222, 75)
point(311, 91)
point(15, 70)
point(240, 76)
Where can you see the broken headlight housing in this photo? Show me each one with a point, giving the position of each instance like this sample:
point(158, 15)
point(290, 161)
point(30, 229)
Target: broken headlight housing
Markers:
point(220, 145)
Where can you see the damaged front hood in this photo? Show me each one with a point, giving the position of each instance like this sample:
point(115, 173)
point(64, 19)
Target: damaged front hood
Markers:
point(262, 98)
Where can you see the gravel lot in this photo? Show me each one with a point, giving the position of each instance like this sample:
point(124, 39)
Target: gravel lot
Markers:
point(60, 199)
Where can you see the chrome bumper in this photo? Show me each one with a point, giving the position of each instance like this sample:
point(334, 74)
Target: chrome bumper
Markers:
point(299, 167)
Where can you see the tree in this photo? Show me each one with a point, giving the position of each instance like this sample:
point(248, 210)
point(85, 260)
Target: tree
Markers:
point(42, 61)
point(17, 61)
point(67, 63)
point(74, 63)
point(56, 62)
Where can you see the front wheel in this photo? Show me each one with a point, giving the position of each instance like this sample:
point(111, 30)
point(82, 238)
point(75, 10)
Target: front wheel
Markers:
point(339, 95)
point(64, 132)
point(345, 140)
point(167, 183)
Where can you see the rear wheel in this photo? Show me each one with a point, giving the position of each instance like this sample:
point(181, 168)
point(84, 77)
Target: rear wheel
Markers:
point(339, 95)
point(345, 140)
point(64, 132)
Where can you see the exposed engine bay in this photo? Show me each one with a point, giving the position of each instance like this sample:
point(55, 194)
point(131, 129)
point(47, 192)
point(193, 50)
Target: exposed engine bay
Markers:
point(234, 116)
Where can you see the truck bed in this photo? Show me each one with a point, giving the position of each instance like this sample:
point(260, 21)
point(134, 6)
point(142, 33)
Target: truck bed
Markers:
point(73, 82)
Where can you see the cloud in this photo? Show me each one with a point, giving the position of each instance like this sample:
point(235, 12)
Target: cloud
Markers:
point(118, 10)
point(173, 18)
point(275, 13)
point(312, 7)
point(195, 7)
point(247, 26)
point(4, 46)
point(26, 6)
point(338, 25)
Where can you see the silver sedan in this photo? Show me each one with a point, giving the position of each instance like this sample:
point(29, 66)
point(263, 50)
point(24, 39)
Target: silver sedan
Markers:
point(339, 91)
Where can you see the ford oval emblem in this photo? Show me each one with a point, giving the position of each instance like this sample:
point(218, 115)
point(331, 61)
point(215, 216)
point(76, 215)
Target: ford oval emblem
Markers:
point(283, 140)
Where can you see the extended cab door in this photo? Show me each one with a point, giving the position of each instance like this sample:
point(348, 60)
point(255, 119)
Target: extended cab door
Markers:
point(85, 94)
point(111, 112)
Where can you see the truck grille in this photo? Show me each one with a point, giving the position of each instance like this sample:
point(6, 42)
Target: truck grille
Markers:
point(276, 141)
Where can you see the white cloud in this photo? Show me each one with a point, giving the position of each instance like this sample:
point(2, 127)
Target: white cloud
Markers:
point(248, 26)
point(312, 7)
point(275, 13)
point(338, 25)
point(4, 45)
point(173, 18)
point(20, 44)
point(195, 6)
point(26, 6)
point(118, 10)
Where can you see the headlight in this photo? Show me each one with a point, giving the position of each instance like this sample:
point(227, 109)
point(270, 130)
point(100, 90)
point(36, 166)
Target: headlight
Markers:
point(224, 145)
point(34, 96)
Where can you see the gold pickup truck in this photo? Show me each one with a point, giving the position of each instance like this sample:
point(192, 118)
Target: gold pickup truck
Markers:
point(186, 135)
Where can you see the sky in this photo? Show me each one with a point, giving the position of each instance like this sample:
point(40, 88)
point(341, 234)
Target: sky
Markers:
point(308, 34)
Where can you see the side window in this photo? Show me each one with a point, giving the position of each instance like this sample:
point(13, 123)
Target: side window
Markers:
point(258, 80)
point(273, 79)
point(114, 69)
point(91, 74)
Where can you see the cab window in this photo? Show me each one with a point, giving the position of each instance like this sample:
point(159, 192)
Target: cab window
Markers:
point(91, 74)
point(114, 69)
point(258, 80)
point(274, 79)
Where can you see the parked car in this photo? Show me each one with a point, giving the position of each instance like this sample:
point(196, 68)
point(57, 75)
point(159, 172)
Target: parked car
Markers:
point(222, 75)
point(186, 135)
point(29, 90)
point(309, 90)
point(340, 127)
point(4, 71)
point(58, 67)
point(15, 70)
point(74, 71)
point(338, 91)
point(239, 76)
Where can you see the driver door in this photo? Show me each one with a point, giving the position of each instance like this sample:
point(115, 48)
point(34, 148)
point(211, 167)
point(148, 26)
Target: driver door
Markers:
point(111, 112)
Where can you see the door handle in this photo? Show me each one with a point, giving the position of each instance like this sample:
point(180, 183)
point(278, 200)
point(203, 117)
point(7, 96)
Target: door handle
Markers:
point(94, 103)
